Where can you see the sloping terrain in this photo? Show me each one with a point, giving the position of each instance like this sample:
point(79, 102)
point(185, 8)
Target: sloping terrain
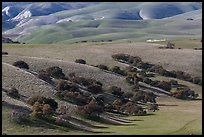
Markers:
point(20, 12)
point(70, 67)
point(187, 60)
point(174, 117)
point(110, 21)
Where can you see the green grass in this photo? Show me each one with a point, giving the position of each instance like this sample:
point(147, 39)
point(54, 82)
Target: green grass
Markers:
point(177, 119)
point(113, 29)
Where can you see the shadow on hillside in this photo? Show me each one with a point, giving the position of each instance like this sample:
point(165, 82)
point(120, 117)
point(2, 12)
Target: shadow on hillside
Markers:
point(11, 106)
point(166, 105)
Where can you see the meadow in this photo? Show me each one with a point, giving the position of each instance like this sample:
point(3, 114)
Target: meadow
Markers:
point(175, 116)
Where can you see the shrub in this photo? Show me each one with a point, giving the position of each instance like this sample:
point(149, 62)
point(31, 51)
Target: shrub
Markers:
point(74, 88)
point(184, 76)
point(135, 87)
point(132, 108)
point(19, 116)
point(197, 80)
point(143, 65)
point(117, 103)
point(117, 70)
point(157, 69)
point(13, 92)
point(144, 97)
point(104, 67)
point(81, 80)
point(62, 85)
point(47, 110)
point(153, 107)
point(150, 97)
point(72, 75)
point(100, 97)
point(31, 101)
point(62, 110)
point(147, 80)
point(77, 98)
point(4, 53)
point(139, 96)
point(43, 100)
point(21, 64)
point(170, 74)
point(55, 72)
point(40, 110)
point(164, 85)
point(59, 95)
point(173, 82)
point(116, 91)
point(81, 61)
point(95, 88)
point(98, 83)
point(129, 79)
point(92, 108)
point(42, 74)
point(128, 95)
point(121, 56)
point(154, 83)
point(184, 93)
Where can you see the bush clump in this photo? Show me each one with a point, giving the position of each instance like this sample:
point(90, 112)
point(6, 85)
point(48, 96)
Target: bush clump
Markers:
point(4, 53)
point(55, 72)
point(197, 80)
point(42, 74)
point(144, 97)
point(62, 85)
point(21, 64)
point(81, 61)
point(117, 70)
point(128, 94)
point(95, 88)
point(153, 107)
point(13, 92)
point(93, 108)
point(40, 109)
point(116, 91)
point(104, 67)
point(77, 98)
point(81, 81)
point(164, 85)
point(184, 93)
point(127, 58)
point(132, 109)
point(43, 100)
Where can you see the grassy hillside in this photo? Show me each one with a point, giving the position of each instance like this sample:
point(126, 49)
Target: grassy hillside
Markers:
point(114, 19)
point(175, 116)
point(114, 30)
point(100, 53)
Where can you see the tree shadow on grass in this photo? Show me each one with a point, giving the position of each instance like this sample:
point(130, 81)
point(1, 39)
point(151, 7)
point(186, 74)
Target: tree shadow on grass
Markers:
point(12, 106)
point(166, 105)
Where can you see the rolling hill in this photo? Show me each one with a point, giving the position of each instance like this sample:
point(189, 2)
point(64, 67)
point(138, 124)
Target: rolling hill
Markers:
point(111, 21)
point(175, 116)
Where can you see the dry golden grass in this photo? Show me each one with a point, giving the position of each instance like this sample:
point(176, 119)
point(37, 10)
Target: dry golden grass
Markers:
point(178, 117)
point(187, 60)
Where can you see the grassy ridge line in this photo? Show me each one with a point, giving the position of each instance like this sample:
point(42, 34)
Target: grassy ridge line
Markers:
point(87, 30)
point(29, 87)
point(89, 71)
